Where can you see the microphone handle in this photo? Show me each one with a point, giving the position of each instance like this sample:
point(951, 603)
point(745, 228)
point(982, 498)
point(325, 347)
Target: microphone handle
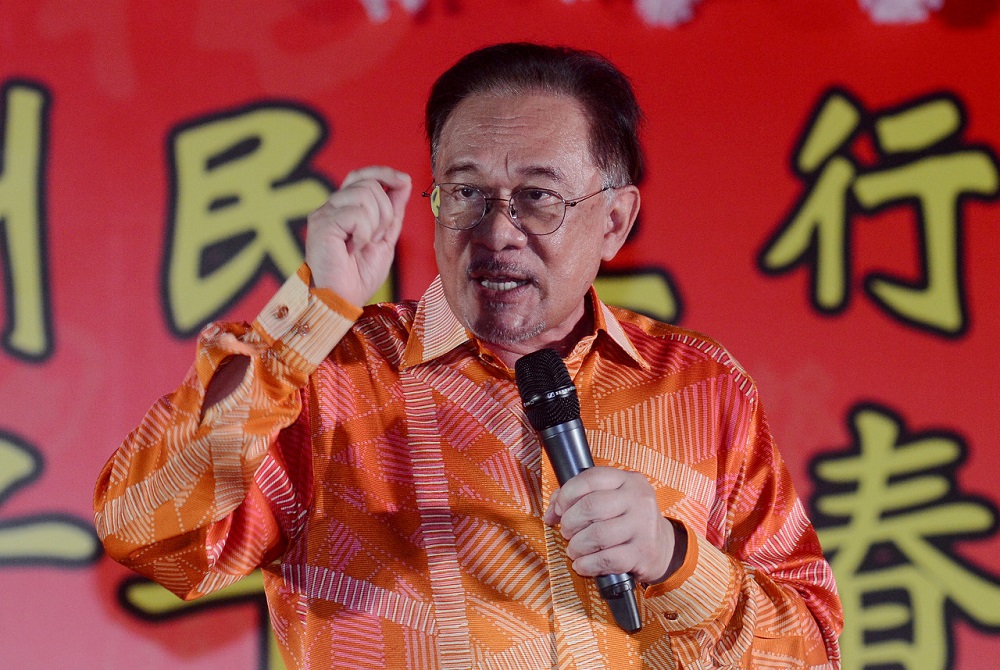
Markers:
point(568, 451)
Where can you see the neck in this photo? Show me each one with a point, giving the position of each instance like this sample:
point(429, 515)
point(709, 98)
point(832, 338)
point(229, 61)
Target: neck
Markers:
point(509, 352)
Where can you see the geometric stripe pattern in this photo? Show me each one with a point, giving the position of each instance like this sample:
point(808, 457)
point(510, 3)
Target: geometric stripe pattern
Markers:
point(383, 474)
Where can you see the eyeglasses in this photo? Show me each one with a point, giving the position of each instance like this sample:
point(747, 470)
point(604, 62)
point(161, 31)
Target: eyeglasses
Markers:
point(535, 211)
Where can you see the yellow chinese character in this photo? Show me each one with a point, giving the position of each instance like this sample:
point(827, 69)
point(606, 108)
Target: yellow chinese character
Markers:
point(152, 601)
point(647, 291)
point(921, 165)
point(240, 187)
point(22, 241)
point(892, 511)
point(53, 539)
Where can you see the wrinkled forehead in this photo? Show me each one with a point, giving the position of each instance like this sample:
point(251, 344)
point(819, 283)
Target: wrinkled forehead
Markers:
point(533, 134)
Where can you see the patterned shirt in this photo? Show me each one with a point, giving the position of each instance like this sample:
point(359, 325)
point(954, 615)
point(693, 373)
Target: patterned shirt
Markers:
point(392, 490)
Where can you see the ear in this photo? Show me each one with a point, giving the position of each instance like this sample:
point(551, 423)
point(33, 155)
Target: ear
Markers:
point(624, 209)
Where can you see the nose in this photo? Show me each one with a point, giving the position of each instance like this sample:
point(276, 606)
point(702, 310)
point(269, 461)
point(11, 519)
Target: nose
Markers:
point(498, 231)
point(508, 206)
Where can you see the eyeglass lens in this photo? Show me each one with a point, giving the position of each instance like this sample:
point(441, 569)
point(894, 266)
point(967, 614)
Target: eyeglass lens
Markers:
point(536, 211)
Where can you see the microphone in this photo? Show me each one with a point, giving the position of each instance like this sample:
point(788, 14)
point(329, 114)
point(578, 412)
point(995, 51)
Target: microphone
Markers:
point(553, 408)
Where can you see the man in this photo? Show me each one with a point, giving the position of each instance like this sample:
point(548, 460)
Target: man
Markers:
point(378, 465)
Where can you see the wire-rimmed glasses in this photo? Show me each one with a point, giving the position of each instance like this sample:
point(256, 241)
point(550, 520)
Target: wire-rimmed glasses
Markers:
point(535, 211)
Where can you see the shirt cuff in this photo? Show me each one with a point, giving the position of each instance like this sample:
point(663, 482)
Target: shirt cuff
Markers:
point(698, 591)
point(302, 325)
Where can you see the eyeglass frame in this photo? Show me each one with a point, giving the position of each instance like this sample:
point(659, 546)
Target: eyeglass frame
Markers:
point(509, 200)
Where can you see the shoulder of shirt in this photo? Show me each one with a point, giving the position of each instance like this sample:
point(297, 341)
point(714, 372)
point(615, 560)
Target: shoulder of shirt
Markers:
point(401, 312)
point(656, 340)
point(382, 330)
point(392, 318)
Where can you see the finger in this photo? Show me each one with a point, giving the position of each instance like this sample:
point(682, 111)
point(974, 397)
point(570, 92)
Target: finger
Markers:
point(390, 178)
point(592, 508)
point(347, 202)
point(588, 481)
point(349, 222)
point(389, 190)
point(398, 196)
point(600, 536)
point(645, 551)
point(356, 213)
point(375, 197)
point(614, 560)
point(551, 517)
point(395, 183)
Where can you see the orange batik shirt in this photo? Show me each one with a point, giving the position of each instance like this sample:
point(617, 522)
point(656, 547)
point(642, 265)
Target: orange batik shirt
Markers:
point(380, 469)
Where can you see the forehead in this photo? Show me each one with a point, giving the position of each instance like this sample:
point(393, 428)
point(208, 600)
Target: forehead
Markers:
point(515, 136)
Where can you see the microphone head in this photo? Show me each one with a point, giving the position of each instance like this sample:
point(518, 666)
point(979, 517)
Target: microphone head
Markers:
point(546, 389)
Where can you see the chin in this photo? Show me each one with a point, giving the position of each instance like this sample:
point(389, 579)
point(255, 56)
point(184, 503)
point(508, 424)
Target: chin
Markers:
point(496, 332)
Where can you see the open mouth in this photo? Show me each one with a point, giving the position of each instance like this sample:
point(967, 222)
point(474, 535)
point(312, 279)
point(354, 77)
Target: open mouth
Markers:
point(497, 284)
point(498, 276)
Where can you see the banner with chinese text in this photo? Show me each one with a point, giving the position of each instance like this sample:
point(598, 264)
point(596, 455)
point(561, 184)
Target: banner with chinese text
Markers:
point(822, 196)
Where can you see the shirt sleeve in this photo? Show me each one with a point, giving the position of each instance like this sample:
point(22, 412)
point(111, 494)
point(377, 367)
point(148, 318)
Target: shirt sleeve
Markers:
point(195, 502)
point(759, 593)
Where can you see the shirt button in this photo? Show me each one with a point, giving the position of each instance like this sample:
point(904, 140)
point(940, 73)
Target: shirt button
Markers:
point(301, 328)
point(281, 312)
point(670, 616)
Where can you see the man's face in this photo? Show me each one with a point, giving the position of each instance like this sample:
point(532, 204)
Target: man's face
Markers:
point(516, 291)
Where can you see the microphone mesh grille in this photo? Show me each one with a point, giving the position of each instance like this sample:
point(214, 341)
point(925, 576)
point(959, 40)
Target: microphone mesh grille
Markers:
point(540, 373)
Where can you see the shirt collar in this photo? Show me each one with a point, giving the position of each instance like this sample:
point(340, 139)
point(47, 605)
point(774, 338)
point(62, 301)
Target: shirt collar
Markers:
point(436, 330)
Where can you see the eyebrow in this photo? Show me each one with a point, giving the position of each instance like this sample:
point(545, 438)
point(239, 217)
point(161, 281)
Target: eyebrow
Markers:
point(529, 172)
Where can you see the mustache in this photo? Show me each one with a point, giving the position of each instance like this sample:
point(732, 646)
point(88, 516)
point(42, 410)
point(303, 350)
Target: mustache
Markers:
point(495, 267)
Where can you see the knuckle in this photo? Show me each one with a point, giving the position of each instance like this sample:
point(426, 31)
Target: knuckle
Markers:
point(597, 537)
point(588, 505)
point(636, 481)
point(354, 176)
point(606, 563)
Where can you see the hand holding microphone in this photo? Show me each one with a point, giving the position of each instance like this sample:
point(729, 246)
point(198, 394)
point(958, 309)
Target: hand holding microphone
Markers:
point(618, 525)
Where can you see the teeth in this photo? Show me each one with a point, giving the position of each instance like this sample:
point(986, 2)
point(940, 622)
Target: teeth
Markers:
point(501, 285)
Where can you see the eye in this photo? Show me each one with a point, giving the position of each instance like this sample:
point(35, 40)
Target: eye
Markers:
point(537, 197)
point(466, 192)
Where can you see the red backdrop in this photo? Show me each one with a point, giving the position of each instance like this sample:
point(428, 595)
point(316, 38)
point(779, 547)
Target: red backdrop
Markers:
point(821, 197)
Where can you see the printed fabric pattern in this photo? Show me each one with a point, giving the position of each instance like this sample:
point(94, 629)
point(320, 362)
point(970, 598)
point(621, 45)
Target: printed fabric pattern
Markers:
point(392, 490)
